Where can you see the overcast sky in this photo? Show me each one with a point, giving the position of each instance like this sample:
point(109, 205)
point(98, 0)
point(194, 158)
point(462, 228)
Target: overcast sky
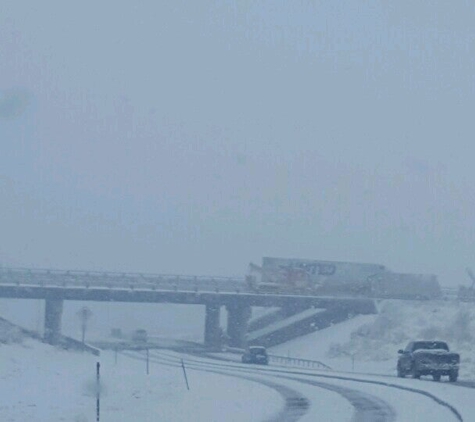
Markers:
point(195, 136)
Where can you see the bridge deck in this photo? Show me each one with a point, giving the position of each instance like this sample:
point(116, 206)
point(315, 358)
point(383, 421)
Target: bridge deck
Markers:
point(116, 294)
point(135, 287)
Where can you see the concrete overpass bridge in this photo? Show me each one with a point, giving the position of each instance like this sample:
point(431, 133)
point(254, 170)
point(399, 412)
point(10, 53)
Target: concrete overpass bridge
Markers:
point(55, 286)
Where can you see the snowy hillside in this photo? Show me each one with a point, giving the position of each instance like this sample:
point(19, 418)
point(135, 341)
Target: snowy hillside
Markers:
point(373, 340)
point(44, 384)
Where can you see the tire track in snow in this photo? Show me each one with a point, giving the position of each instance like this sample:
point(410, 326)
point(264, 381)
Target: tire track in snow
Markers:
point(367, 408)
point(431, 396)
point(296, 405)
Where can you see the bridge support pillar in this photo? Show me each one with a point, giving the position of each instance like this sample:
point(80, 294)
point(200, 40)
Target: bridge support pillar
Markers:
point(53, 313)
point(212, 329)
point(238, 318)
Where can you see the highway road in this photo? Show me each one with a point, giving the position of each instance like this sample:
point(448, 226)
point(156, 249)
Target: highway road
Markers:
point(310, 395)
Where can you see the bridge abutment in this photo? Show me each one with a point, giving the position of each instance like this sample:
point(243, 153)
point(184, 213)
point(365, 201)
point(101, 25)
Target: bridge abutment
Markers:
point(212, 328)
point(53, 313)
point(238, 319)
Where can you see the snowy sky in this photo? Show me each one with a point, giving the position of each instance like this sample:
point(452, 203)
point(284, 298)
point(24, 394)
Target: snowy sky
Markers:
point(193, 137)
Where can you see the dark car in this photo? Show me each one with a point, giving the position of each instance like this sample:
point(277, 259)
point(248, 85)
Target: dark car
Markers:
point(428, 358)
point(140, 336)
point(256, 354)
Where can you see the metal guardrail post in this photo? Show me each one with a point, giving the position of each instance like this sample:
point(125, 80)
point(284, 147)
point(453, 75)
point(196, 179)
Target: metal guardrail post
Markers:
point(299, 362)
point(98, 392)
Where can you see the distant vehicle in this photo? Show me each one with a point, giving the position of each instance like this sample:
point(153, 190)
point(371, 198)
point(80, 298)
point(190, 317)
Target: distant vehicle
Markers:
point(428, 358)
point(116, 333)
point(140, 336)
point(255, 354)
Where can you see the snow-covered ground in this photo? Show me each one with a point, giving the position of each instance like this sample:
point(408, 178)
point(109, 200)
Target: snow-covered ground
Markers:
point(41, 383)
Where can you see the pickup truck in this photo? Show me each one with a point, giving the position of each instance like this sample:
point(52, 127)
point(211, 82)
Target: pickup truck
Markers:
point(428, 358)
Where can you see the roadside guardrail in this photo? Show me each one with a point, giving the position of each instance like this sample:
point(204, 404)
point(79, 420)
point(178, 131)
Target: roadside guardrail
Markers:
point(304, 363)
point(71, 343)
point(286, 360)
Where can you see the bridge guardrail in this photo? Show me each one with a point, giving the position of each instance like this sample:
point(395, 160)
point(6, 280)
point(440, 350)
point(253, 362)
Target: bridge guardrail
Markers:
point(175, 287)
point(87, 279)
point(10, 271)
